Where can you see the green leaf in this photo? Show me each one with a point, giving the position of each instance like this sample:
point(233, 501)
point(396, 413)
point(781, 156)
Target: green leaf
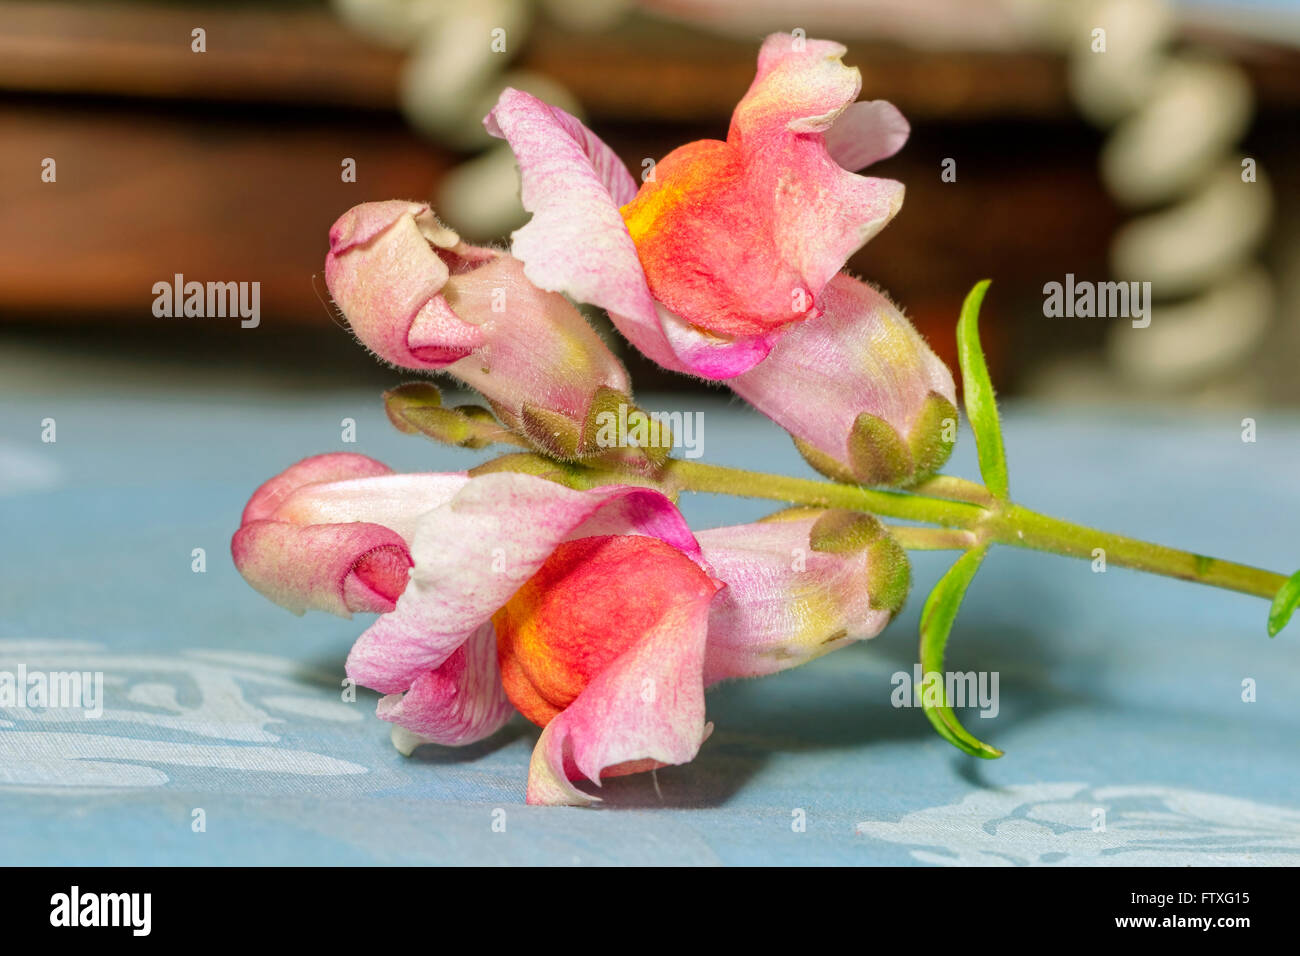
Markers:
point(1288, 596)
point(936, 623)
point(977, 389)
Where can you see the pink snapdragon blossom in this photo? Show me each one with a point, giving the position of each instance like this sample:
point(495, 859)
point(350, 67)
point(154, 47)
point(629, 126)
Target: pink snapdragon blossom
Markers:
point(420, 298)
point(597, 613)
point(332, 532)
point(730, 248)
point(727, 244)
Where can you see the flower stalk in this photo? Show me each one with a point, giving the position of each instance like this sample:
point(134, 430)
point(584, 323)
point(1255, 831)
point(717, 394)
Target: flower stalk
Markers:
point(999, 522)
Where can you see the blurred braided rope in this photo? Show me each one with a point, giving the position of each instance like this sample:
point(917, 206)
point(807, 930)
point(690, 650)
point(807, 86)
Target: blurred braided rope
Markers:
point(452, 79)
point(1173, 157)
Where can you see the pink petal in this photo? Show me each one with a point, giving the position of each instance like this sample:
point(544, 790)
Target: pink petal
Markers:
point(712, 356)
point(576, 242)
point(860, 356)
point(785, 603)
point(362, 224)
point(394, 501)
point(335, 466)
point(867, 132)
point(312, 568)
point(800, 83)
point(459, 702)
point(385, 276)
point(820, 213)
point(646, 709)
point(377, 579)
point(573, 185)
point(474, 552)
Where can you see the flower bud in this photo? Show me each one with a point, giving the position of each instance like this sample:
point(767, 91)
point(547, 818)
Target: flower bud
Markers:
point(420, 298)
point(859, 390)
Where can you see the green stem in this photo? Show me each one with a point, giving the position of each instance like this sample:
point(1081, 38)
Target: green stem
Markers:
point(955, 489)
point(1004, 523)
point(718, 479)
point(1023, 528)
point(932, 539)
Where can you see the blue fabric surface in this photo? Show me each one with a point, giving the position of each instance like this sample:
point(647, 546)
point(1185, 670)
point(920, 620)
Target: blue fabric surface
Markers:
point(1120, 694)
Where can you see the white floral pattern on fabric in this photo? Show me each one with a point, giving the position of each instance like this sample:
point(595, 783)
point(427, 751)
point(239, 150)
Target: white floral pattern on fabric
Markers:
point(1073, 824)
point(214, 710)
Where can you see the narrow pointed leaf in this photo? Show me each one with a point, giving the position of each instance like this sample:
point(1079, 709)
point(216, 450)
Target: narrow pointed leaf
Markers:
point(977, 391)
point(936, 623)
point(1288, 596)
